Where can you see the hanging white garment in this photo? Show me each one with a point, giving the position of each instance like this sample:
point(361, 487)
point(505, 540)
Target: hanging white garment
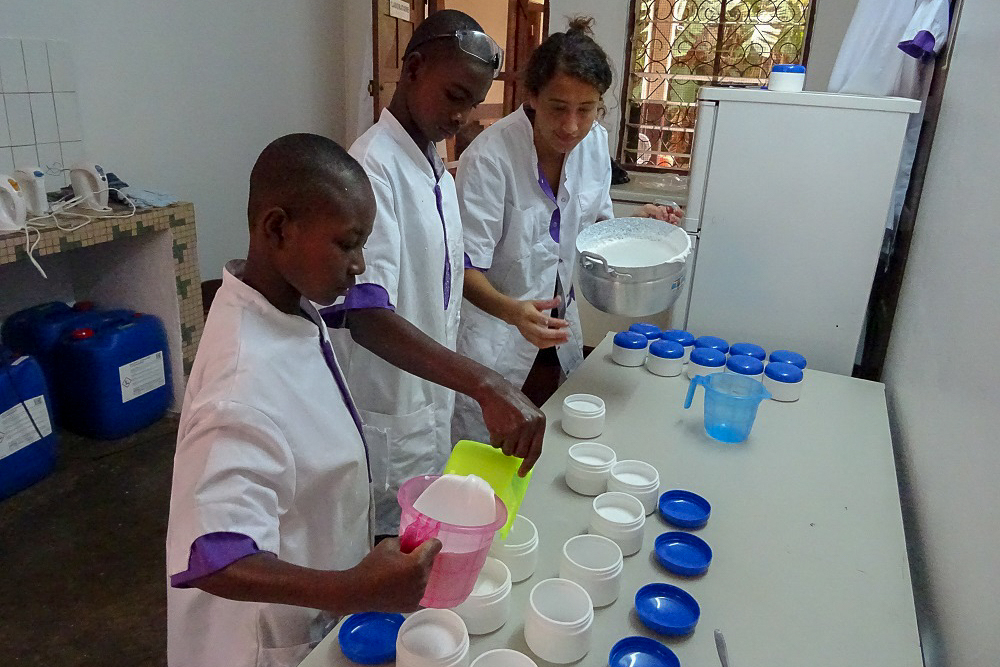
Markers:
point(523, 238)
point(414, 266)
point(267, 448)
point(888, 50)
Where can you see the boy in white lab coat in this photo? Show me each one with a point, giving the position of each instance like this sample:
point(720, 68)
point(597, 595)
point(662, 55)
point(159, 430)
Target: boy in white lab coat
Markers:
point(270, 505)
point(403, 314)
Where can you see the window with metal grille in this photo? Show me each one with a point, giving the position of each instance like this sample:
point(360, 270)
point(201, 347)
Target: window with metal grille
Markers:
point(678, 46)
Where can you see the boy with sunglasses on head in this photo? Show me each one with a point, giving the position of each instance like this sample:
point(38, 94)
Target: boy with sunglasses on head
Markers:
point(403, 313)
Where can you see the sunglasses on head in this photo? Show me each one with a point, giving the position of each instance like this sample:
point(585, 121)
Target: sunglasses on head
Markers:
point(475, 43)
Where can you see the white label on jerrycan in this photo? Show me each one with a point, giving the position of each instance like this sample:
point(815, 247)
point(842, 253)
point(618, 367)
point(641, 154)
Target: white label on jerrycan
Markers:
point(141, 376)
point(16, 428)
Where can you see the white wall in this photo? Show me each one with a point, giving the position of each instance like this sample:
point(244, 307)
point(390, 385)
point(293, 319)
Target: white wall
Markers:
point(830, 23)
point(182, 95)
point(945, 406)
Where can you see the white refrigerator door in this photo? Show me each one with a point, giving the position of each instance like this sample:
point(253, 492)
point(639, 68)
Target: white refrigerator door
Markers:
point(792, 217)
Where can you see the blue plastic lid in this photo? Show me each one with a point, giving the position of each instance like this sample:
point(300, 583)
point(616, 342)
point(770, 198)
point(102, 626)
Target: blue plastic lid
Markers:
point(707, 356)
point(743, 364)
point(667, 609)
point(666, 349)
point(678, 335)
point(788, 357)
point(650, 331)
point(684, 509)
point(370, 638)
point(683, 553)
point(713, 342)
point(782, 372)
point(749, 349)
point(794, 69)
point(631, 340)
point(641, 652)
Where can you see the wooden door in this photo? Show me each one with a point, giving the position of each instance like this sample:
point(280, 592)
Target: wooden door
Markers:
point(527, 26)
point(389, 38)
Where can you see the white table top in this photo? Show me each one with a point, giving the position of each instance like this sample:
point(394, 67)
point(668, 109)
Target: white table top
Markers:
point(809, 564)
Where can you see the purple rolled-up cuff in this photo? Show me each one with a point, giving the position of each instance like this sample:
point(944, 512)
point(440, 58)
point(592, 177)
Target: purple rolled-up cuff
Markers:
point(365, 295)
point(212, 552)
point(470, 265)
point(920, 47)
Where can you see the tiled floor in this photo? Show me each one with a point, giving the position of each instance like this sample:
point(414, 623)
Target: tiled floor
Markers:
point(81, 556)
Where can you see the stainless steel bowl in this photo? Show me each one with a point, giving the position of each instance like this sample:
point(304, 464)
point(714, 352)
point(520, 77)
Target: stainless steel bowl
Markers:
point(632, 286)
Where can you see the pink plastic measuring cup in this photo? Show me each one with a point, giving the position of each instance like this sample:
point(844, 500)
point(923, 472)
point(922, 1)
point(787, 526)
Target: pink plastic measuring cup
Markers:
point(463, 548)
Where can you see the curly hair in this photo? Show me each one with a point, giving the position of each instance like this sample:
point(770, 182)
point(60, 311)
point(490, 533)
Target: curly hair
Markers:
point(573, 52)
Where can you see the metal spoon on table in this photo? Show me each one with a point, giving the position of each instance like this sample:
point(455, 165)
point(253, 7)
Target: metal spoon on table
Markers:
point(720, 645)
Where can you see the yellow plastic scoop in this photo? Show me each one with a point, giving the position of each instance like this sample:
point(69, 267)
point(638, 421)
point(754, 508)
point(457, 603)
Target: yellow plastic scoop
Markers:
point(499, 471)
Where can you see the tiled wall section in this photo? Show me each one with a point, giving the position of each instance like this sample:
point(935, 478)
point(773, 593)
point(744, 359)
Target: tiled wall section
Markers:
point(39, 111)
point(177, 219)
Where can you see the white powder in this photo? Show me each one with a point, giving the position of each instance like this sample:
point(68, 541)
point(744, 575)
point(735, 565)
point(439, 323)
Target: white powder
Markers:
point(616, 514)
point(633, 478)
point(634, 252)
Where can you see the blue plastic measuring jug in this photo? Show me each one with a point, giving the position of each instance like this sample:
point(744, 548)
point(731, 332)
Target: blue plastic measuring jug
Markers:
point(731, 402)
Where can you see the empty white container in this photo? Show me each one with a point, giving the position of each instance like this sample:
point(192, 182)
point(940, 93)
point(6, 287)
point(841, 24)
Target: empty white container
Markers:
point(638, 479)
point(432, 638)
point(519, 552)
point(558, 621)
point(595, 562)
point(503, 657)
point(620, 517)
point(488, 606)
point(583, 415)
point(588, 465)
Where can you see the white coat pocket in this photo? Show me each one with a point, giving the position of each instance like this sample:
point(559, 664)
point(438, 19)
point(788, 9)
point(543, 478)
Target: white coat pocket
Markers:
point(405, 446)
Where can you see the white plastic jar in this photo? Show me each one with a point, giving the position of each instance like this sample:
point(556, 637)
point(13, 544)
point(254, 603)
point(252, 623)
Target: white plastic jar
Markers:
point(705, 361)
point(488, 606)
point(583, 415)
point(744, 364)
point(666, 358)
point(588, 465)
point(629, 348)
point(783, 381)
point(638, 479)
point(519, 552)
point(685, 338)
point(558, 621)
point(595, 562)
point(432, 638)
point(787, 78)
point(620, 517)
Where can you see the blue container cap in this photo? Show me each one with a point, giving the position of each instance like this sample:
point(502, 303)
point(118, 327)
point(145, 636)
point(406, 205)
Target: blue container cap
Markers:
point(788, 357)
point(713, 342)
point(650, 331)
point(666, 349)
point(631, 340)
point(707, 356)
point(749, 349)
point(370, 638)
point(794, 69)
point(743, 364)
point(667, 609)
point(779, 371)
point(683, 553)
point(684, 509)
point(678, 335)
point(641, 652)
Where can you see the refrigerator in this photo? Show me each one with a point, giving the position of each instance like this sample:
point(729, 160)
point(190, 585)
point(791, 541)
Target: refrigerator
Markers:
point(787, 201)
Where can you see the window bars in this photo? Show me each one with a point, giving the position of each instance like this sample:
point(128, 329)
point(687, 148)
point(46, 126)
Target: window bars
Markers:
point(679, 46)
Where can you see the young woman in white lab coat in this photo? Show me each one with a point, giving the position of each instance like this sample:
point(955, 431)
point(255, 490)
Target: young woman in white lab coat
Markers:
point(527, 186)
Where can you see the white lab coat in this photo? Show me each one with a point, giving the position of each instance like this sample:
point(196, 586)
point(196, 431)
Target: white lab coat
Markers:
point(506, 219)
point(407, 419)
point(267, 448)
